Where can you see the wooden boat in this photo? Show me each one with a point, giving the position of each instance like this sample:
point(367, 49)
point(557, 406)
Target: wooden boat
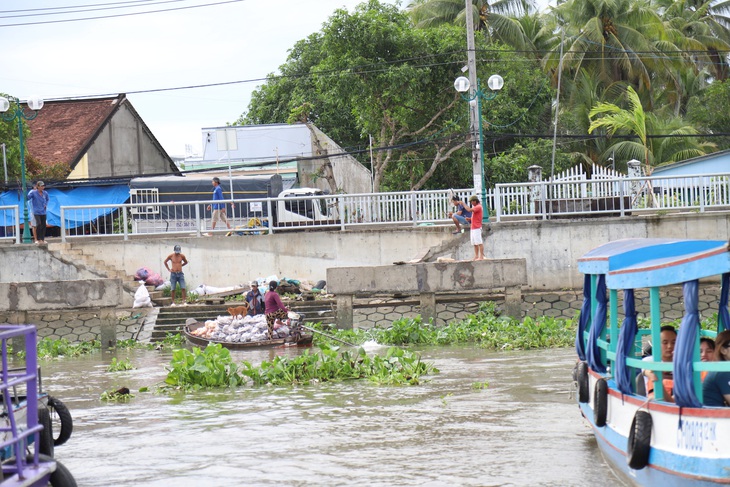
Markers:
point(652, 441)
point(301, 339)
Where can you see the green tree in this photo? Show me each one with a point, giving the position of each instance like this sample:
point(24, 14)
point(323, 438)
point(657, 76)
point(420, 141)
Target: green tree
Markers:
point(371, 73)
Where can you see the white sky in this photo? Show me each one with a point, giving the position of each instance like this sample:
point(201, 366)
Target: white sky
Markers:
point(230, 42)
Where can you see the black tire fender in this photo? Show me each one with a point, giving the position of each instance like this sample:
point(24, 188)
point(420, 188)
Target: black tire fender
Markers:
point(45, 436)
point(639, 444)
point(61, 477)
point(55, 406)
point(582, 379)
point(600, 402)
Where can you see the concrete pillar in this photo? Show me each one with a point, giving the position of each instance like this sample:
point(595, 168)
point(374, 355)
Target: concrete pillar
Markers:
point(534, 175)
point(344, 315)
point(513, 302)
point(634, 171)
point(108, 326)
point(428, 306)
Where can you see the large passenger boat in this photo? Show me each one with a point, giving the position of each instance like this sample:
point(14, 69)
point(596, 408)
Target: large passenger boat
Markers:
point(652, 441)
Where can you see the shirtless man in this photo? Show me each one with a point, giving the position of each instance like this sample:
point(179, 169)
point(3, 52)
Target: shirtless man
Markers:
point(174, 263)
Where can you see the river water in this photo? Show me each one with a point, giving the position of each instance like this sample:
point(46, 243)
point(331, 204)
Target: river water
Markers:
point(523, 429)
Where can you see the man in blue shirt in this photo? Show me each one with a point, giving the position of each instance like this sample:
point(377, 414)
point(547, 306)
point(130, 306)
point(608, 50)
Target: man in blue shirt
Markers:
point(460, 215)
point(255, 300)
point(39, 199)
point(219, 209)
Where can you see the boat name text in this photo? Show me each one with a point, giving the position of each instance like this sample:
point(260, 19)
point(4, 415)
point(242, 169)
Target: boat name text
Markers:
point(693, 434)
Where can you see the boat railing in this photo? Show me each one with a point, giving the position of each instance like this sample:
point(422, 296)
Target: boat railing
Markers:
point(15, 436)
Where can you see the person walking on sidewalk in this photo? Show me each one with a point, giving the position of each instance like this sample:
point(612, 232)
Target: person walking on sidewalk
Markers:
point(476, 227)
point(39, 204)
point(219, 209)
point(174, 264)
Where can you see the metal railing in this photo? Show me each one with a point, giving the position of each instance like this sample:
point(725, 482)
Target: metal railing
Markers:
point(612, 197)
point(10, 223)
point(539, 200)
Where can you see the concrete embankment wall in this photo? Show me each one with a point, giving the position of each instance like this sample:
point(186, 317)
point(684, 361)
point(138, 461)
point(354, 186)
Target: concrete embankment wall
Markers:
point(550, 248)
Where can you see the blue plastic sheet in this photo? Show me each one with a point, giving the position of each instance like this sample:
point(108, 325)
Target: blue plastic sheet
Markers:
point(593, 352)
point(684, 386)
point(585, 315)
point(723, 316)
point(87, 195)
point(625, 346)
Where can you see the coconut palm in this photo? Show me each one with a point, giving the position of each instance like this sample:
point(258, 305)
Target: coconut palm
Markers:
point(654, 151)
point(495, 19)
point(613, 39)
point(701, 28)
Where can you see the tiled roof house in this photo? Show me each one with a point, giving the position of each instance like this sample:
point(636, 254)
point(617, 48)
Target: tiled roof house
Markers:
point(96, 138)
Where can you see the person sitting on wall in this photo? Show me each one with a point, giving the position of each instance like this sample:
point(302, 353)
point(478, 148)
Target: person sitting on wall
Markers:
point(668, 337)
point(716, 387)
point(460, 215)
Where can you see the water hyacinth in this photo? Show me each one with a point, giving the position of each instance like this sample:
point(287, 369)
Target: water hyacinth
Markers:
point(213, 367)
point(484, 329)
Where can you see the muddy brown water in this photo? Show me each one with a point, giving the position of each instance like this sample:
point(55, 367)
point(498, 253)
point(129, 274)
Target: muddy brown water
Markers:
point(523, 429)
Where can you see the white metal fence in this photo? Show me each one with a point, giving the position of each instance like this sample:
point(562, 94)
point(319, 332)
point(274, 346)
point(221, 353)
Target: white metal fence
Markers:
point(9, 223)
point(604, 196)
point(612, 197)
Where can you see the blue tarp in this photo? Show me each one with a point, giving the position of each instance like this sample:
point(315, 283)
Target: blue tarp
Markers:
point(88, 195)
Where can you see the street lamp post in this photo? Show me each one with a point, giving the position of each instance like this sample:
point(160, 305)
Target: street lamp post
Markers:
point(462, 85)
point(19, 113)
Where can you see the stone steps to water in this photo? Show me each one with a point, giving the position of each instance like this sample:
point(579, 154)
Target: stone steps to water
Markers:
point(171, 319)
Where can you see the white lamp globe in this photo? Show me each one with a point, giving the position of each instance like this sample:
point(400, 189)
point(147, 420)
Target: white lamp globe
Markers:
point(495, 82)
point(462, 84)
point(35, 102)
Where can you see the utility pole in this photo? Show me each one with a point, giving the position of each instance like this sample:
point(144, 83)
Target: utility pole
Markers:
point(471, 63)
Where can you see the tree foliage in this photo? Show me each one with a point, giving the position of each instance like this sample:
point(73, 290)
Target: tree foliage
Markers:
point(371, 73)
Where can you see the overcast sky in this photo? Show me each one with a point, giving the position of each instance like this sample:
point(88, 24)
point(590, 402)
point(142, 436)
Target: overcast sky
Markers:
point(236, 40)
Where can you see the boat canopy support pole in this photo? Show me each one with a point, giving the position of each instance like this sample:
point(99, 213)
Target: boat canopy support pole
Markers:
point(613, 330)
point(656, 338)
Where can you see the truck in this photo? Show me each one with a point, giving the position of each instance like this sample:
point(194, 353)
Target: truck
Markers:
point(179, 203)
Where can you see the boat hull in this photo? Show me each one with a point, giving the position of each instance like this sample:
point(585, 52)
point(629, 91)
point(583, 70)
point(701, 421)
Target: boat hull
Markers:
point(693, 455)
point(303, 340)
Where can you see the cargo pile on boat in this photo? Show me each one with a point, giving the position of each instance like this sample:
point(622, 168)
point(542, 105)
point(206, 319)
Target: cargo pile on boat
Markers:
point(237, 329)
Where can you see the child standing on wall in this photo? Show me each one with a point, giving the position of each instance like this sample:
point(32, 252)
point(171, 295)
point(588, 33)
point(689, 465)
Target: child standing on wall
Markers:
point(476, 227)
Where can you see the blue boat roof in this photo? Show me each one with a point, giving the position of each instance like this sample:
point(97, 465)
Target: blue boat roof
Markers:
point(649, 262)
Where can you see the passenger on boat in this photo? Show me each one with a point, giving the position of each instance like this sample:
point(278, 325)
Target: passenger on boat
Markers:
point(716, 387)
point(255, 300)
point(707, 353)
point(274, 307)
point(668, 338)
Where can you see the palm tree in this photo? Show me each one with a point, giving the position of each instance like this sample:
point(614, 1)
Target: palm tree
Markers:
point(702, 29)
point(613, 39)
point(495, 19)
point(654, 151)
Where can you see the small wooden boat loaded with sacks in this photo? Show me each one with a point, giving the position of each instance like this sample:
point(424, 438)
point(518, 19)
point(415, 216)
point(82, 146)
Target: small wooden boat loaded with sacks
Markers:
point(669, 439)
point(247, 332)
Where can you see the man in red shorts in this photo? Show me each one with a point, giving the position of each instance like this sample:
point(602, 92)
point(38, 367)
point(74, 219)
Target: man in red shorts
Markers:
point(476, 228)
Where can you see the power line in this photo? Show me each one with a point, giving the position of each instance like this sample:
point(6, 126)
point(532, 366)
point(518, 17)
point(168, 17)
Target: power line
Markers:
point(78, 19)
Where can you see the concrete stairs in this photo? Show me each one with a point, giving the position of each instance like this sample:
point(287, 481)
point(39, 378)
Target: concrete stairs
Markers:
point(67, 252)
point(171, 319)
